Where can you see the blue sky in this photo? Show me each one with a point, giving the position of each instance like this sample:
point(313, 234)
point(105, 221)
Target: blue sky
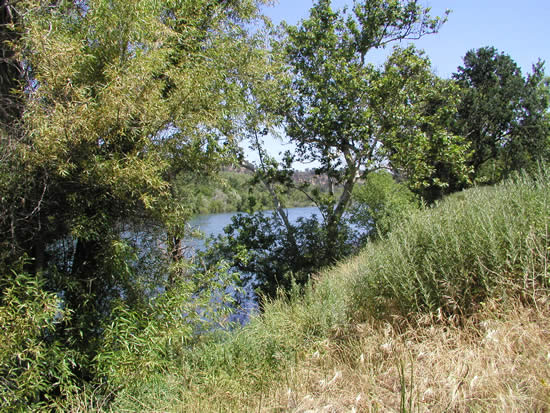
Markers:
point(520, 29)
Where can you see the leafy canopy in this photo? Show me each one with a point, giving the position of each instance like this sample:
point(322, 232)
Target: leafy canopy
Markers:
point(502, 114)
point(114, 99)
point(339, 111)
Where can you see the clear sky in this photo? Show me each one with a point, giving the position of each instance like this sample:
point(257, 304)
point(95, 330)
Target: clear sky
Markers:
point(520, 29)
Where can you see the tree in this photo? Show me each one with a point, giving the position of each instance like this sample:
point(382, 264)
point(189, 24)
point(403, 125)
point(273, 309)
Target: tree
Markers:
point(417, 113)
point(502, 114)
point(11, 110)
point(333, 114)
point(352, 119)
point(11, 71)
point(380, 203)
point(119, 97)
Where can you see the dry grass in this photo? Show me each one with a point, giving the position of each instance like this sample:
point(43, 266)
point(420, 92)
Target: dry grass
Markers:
point(497, 360)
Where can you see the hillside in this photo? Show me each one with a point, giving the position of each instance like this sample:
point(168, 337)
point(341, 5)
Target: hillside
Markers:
point(449, 312)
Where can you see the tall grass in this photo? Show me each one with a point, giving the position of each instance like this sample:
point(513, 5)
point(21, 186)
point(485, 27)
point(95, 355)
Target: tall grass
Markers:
point(450, 274)
point(470, 247)
point(494, 361)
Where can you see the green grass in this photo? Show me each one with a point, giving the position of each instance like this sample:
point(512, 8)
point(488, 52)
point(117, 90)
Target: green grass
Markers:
point(235, 367)
point(473, 246)
point(476, 248)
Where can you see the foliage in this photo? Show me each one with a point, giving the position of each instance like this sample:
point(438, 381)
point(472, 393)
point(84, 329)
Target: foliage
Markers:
point(258, 246)
point(35, 369)
point(336, 100)
point(115, 117)
point(244, 361)
point(502, 114)
point(11, 71)
point(352, 119)
point(231, 192)
point(114, 100)
point(139, 342)
point(380, 203)
point(297, 346)
point(329, 342)
point(417, 112)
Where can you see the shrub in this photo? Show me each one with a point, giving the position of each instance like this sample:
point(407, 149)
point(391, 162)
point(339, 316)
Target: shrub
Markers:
point(139, 342)
point(469, 248)
point(380, 203)
point(261, 248)
point(35, 369)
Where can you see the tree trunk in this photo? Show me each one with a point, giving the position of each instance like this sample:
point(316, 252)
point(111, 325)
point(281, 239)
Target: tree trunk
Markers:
point(175, 249)
point(279, 208)
point(87, 292)
point(334, 219)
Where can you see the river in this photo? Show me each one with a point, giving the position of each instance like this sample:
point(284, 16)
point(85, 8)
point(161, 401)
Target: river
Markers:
point(213, 224)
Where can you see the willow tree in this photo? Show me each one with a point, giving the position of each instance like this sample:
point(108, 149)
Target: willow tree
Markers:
point(117, 98)
point(336, 109)
point(11, 84)
point(11, 71)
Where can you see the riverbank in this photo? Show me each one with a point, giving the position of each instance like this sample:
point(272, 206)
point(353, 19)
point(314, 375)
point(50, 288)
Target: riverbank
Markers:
point(235, 191)
point(449, 312)
point(495, 360)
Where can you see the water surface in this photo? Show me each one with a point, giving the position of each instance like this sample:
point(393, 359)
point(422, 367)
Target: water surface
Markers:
point(213, 224)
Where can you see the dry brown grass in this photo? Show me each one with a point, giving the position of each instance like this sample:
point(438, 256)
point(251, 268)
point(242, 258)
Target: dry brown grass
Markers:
point(497, 360)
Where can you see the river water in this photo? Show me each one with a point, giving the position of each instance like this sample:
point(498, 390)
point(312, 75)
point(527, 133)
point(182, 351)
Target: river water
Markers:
point(213, 224)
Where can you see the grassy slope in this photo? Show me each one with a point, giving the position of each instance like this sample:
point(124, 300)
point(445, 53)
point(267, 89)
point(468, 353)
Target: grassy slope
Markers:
point(450, 312)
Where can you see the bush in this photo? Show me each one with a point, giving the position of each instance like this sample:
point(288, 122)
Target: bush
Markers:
point(473, 246)
point(234, 367)
point(139, 342)
point(380, 203)
point(35, 370)
point(261, 248)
